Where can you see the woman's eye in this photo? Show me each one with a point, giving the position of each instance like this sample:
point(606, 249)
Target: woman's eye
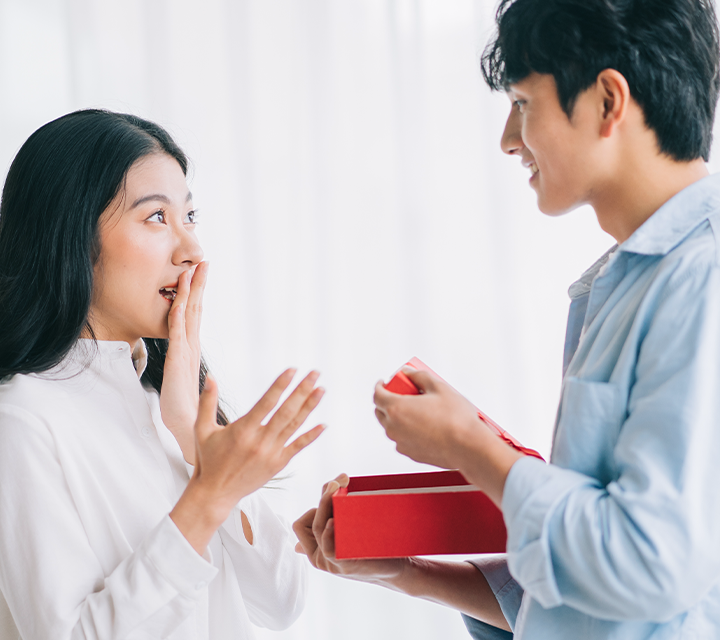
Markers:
point(519, 104)
point(191, 217)
point(158, 216)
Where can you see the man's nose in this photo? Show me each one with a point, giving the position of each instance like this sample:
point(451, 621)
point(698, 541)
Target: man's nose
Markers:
point(511, 141)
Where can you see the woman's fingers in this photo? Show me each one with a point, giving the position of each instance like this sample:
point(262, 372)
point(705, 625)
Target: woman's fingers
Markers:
point(299, 418)
point(176, 325)
point(294, 404)
point(270, 398)
point(302, 441)
point(207, 410)
point(183, 289)
point(194, 301)
point(176, 319)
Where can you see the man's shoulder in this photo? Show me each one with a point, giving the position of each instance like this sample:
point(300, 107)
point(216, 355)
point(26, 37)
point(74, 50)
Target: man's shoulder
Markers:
point(696, 256)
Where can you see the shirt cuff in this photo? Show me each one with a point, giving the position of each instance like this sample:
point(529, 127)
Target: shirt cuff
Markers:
point(533, 490)
point(176, 560)
point(505, 588)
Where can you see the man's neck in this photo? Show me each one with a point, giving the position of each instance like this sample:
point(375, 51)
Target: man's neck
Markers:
point(644, 186)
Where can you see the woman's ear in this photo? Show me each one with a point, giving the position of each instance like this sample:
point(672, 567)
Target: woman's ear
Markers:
point(613, 100)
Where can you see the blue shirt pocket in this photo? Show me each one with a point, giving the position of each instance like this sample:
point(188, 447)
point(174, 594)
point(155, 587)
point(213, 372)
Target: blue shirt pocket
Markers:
point(589, 421)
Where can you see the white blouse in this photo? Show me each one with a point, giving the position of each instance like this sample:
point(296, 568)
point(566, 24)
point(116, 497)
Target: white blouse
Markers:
point(88, 476)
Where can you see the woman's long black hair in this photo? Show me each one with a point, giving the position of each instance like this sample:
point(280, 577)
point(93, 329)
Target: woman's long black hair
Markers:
point(60, 182)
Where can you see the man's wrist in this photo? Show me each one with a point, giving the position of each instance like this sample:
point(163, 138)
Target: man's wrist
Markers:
point(485, 460)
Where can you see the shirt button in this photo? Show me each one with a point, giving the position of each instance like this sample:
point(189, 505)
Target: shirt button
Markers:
point(200, 585)
point(145, 432)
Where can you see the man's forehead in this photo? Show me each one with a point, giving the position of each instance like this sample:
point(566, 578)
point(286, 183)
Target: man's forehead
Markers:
point(532, 83)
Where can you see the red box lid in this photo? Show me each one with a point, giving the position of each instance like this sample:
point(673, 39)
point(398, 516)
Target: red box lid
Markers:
point(401, 384)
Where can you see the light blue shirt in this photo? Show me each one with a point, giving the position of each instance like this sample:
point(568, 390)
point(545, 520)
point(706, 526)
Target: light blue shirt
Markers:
point(619, 537)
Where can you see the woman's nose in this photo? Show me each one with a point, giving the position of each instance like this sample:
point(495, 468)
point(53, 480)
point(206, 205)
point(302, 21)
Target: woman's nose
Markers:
point(188, 250)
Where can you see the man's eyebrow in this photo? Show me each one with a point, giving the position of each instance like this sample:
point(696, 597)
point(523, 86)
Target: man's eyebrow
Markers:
point(158, 197)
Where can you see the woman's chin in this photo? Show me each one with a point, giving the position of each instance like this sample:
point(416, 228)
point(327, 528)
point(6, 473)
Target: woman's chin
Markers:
point(159, 333)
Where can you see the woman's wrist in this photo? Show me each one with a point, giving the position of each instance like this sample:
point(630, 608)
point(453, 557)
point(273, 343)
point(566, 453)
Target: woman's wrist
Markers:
point(198, 515)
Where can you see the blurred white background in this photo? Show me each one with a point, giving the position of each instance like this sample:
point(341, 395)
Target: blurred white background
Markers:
point(356, 209)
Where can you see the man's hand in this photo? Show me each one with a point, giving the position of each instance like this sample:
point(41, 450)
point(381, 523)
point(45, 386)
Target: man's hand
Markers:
point(431, 427)
point(454, 584)
point(316, 534)
point(442, 428)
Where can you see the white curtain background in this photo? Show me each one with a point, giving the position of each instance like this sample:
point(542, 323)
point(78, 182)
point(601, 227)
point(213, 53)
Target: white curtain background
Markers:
point(356, 209)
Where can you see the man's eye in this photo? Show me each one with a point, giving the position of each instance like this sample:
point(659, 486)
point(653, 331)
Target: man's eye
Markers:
point(191, 217)
point(519, 104)
point(158, 216)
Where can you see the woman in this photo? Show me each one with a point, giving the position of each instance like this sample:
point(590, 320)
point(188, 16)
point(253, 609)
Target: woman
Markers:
point(127, 504)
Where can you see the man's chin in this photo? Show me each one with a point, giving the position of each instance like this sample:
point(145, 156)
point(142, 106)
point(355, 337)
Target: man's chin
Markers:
point(555, 209)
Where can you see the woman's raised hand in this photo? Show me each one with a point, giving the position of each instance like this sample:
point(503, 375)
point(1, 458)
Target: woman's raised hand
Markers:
point(180, 393)
point(235, 460)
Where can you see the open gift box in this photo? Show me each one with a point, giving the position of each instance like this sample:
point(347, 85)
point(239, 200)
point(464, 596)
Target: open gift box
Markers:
point(411, 514)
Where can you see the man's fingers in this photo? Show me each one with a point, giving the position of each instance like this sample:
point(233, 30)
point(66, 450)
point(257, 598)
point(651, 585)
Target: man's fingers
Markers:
point(303, 530)
point(293, 404)
point(382, 397)
point(324, 510)
point(207, 409)
point(423, 380)
point(267, 403)
point(327, 542)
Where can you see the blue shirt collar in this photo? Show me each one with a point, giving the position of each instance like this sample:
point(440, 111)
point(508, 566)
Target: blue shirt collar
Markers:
point(676, 219)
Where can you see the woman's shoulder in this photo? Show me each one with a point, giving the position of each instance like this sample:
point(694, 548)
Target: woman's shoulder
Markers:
point(31, 396)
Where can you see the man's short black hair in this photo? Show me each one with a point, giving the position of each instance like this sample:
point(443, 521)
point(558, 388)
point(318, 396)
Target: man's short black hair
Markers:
point(666, 49)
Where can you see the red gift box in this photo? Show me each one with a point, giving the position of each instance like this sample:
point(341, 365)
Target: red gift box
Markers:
point(412, 514)
point(431, 513)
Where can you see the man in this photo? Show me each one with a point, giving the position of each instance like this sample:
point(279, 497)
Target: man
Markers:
point(619, 537)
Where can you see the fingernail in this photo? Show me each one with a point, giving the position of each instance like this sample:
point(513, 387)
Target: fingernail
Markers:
point(406, 369)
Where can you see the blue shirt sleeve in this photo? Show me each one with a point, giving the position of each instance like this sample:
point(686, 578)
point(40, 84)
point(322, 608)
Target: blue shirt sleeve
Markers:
point(504, 587)
point(644, 544)
point(481, 631)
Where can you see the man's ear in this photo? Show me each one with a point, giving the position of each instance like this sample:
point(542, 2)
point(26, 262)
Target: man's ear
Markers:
point(614, 98)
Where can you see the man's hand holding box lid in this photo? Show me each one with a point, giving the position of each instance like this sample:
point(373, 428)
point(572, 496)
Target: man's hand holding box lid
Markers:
point(400, 383)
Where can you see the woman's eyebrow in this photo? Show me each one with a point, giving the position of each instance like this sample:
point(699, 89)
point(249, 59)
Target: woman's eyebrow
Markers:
point(157, 196)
